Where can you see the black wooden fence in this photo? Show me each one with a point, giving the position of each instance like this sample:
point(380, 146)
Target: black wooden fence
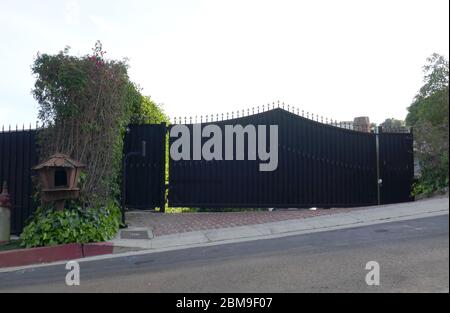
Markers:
point(18, 154)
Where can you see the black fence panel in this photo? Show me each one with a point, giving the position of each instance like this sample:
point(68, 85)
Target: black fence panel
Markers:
point(318, 165)
point(396, 167)
point(18, 154)
point(145, 176)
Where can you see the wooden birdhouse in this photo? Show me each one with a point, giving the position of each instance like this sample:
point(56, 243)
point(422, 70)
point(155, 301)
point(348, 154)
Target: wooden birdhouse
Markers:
point(59, 178)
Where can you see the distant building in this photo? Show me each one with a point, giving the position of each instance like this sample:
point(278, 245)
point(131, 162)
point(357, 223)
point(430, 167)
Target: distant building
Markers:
point(360, 123)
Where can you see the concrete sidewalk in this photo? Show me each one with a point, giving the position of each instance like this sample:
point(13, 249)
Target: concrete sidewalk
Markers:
point(350, 218)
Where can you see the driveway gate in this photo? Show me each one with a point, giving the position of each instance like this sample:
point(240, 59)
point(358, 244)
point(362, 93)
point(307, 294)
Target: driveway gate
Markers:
point(319, 165)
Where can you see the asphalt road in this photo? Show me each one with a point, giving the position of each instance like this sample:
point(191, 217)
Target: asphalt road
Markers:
point(413, 257)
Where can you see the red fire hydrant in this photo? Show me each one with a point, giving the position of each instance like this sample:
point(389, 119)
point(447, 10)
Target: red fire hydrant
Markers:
point(5, 215)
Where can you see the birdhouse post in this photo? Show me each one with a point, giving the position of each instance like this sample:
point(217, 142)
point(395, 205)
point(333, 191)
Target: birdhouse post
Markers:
point(59, 178)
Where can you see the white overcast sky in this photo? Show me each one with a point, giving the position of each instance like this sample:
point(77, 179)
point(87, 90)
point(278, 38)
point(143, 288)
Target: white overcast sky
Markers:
point(338, 59)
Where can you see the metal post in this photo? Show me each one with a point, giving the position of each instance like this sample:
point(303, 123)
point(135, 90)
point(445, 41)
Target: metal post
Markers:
point(411, 132)
point(124, 176)
point(162, 200)
point(379, 180)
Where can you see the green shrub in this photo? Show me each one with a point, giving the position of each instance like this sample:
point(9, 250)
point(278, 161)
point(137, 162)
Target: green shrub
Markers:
point(49, 227)
point(428, 115)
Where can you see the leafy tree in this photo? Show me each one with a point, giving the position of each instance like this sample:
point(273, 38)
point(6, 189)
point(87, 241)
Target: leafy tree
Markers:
point(143, 109)
point(85, 104)
point(428, 115)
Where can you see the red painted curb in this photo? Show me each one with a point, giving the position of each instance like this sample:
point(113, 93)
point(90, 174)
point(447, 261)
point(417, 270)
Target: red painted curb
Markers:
point(21, 257)
point(93, 249)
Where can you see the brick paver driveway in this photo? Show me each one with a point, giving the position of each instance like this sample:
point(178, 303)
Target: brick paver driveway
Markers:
point(171, 223)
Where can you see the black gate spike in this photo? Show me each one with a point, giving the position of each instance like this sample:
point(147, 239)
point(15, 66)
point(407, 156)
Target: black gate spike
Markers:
point(201, 118)
point(253, 110)
point(257, 109)
point(174, 120)
point(190, 119)
point(321, 119)
point(222, 116)
point(217, 117)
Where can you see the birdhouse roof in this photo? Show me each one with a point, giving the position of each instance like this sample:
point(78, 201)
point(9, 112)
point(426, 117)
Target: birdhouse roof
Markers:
point(59, 160)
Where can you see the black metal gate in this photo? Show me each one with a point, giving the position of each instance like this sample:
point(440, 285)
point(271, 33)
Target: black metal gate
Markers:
point(18, 154)
point(145, 176)
point(396, 163)
point(318, 165)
